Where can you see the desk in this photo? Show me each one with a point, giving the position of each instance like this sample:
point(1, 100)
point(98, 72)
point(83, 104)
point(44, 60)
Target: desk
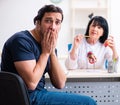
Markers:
point(102, 86)
point(90, 73)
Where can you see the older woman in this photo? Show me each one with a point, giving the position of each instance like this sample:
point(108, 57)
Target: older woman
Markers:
point(90, 51)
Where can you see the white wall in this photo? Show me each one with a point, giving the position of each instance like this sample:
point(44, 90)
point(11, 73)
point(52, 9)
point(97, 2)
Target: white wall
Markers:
point(17, 15)
point(115, 22)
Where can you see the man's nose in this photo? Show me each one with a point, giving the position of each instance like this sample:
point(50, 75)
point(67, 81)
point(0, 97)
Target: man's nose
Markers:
point(53, 26)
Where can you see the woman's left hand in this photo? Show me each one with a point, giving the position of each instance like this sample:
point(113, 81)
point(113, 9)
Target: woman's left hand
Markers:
point(110, 42)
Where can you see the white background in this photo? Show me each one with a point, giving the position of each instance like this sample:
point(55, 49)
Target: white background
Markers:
point(17, 15)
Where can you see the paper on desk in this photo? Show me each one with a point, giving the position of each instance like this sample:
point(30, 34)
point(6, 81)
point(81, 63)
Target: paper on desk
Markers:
point(95, 70)
point(88, 70)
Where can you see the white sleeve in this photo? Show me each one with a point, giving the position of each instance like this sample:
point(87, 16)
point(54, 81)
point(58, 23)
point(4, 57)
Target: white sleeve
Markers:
point(71, 64)
point(109, 54)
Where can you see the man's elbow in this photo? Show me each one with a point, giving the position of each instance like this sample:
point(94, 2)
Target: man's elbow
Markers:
point(31, 86)
point(60, 85)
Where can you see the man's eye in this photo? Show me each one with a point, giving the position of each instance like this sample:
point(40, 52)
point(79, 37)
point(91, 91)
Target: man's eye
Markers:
point(48, 21)
point(58, 22)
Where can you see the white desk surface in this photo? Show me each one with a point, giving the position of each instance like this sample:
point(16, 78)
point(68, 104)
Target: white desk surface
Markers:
point(90, 73)
point(87, 73)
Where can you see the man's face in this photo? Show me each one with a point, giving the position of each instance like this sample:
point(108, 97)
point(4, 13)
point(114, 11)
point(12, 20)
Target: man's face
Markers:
point(52, 21)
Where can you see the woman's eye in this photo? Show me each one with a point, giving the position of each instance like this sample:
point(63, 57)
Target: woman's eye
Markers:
point(99, 27)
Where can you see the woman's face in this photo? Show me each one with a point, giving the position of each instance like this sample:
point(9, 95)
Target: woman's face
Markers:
point(95, 30)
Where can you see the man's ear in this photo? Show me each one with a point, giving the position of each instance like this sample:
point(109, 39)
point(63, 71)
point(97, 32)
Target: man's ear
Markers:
point(37, 22)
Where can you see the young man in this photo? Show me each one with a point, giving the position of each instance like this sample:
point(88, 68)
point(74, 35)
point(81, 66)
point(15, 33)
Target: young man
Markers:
point(31, 54)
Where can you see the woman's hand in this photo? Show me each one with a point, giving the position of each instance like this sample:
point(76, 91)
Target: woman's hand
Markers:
point(110, 42)
point(77, 40)
point(76, 43)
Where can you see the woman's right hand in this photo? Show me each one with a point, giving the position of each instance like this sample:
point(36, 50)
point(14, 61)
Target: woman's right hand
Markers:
point(77, 40)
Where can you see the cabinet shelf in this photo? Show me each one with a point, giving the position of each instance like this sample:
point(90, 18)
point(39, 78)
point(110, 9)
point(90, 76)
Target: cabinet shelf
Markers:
point(89, 3)
point(85, 9)
point(80, 11)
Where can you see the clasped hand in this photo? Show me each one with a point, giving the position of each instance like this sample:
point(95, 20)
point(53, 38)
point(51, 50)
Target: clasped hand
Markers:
point(49, 40)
